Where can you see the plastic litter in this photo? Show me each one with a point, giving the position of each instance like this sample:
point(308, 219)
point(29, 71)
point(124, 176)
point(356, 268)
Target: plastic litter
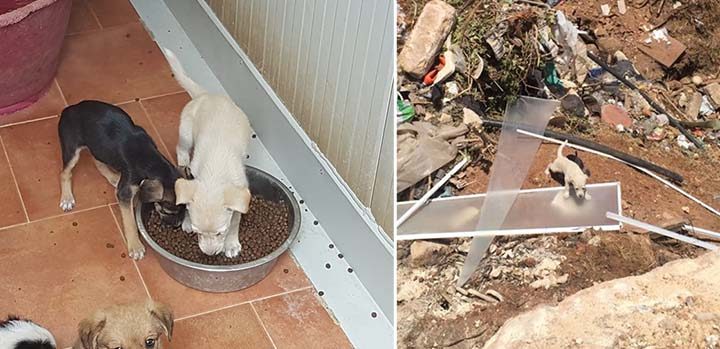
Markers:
point(454, 62)
point(605, 9)
point(405, 110)
point(622, 9)
point(496, 39)
point(551, 75)
point(574, 57)
point(683, 142)
point(478, 69)
point(422, 148)
point(706, 107)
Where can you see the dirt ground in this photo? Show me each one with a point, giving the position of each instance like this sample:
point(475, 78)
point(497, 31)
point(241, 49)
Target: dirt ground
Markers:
point(544, 270)
point(625, 32)
point(435, 314)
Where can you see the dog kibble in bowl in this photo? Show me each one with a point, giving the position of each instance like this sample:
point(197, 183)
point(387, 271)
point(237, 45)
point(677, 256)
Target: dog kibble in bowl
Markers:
point(262, 230)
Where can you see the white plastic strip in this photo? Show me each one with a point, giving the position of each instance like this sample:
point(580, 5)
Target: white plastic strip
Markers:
point(701, 231)
point(430, 192)
point(535, 211)
point(661, 231)
point(650, 173)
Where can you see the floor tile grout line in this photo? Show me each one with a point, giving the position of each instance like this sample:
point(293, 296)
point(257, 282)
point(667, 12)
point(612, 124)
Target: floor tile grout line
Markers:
point(55, 216)
point(62, 94)
point(89, 31)
point(92, 11)
point(263, 325)
point(17, 186)
point(243, 303)
point(140, 99)
point(29, 121)
point(66, 104)
point(122, 236)
point(152, 124)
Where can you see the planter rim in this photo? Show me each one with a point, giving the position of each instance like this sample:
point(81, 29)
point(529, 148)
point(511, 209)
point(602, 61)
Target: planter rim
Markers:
point(18, 14)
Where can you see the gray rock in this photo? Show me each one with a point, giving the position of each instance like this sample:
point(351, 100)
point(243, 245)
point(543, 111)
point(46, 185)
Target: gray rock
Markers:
point(432, 27)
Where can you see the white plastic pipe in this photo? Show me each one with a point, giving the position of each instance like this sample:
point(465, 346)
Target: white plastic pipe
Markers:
point(430, 192)
point(702, 231)
point(661, 231)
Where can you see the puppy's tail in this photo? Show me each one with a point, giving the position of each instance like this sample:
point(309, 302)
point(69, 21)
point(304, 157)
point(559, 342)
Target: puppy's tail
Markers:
point(182, 78)
point(560, 148)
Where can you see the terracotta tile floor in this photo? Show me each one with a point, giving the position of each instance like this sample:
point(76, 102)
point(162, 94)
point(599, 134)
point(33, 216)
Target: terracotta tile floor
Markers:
point(73, 263)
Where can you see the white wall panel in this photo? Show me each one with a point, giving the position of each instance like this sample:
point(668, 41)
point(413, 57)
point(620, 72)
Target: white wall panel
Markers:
point(331, 62)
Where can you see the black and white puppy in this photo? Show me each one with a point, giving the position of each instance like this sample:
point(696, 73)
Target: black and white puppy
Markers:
point(573, 173)
point(16, 333)
point(124, 154)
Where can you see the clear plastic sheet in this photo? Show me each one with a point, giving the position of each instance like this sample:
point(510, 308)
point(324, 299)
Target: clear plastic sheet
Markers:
point(535, 211)
point(515, 155)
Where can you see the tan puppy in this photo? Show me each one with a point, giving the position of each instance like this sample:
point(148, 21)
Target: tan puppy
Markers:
point(217, 132)
point(130, 326)
point(574, 175)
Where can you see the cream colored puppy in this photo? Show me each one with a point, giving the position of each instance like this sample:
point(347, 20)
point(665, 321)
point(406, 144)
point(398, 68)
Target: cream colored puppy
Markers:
point(129, 326)
point(574, 175)
point(217, 132)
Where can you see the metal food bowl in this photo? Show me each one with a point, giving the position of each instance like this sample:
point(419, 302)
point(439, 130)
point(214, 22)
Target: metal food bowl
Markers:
point(228, 278)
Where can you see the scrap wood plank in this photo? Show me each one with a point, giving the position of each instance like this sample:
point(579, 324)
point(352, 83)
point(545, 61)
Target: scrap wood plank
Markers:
point(665, 52)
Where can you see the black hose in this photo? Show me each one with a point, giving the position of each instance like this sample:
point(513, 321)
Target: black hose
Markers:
point(652, 102)
point(672, 176)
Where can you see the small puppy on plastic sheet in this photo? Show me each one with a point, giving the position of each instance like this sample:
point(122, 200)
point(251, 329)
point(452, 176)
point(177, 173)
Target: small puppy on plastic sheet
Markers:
point(127, 326)
point(572, 173)
point(126, 156)
point(217, 132)
point(16, 333)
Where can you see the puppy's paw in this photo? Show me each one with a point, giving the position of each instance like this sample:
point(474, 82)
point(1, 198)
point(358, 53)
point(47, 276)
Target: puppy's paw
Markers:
point(67, 203)
point(232, 249)
point(587, 196)
point(566, 194)
point(136, 252)
point(185, 172)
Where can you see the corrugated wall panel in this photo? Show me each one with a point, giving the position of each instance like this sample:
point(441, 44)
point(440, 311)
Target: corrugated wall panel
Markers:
point(331, 63)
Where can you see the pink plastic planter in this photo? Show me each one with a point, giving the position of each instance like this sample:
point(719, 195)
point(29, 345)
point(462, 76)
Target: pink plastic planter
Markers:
point(31, 36)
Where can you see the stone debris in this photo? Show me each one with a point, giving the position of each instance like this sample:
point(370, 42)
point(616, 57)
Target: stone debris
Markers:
point(424, 252)
point(679, 298)
point(426, 38)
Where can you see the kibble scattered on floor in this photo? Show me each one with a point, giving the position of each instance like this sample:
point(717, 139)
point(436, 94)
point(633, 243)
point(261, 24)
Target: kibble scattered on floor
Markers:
point(262, 230)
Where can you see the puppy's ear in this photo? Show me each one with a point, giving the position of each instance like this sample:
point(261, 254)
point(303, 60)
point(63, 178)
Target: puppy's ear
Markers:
point(184, 191)
point(237, 198)
point(89, 330)
point(164, 315)
point(151, 190)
